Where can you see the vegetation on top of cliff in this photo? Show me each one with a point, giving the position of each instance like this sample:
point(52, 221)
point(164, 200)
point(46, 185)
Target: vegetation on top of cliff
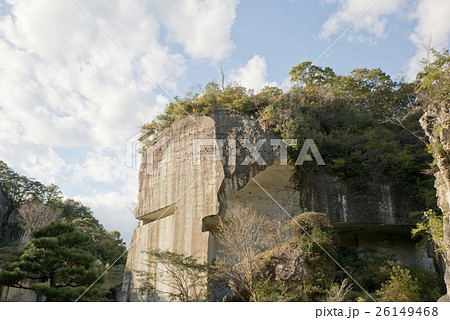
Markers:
point(233, 98)
point(434, 79)
point(365, 124)
point(367, 90)
point(433, 87)
point(38, 207)
point(366, 127)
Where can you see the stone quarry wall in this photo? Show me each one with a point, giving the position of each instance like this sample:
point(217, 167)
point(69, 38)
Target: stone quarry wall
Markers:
point(189, 198)
point(377, 204)
point(7, 293)
point(182, 192)
point(3, 208)
point(7, 218)
point(436, 123)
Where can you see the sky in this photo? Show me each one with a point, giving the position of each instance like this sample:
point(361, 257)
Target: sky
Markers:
point(78, 77)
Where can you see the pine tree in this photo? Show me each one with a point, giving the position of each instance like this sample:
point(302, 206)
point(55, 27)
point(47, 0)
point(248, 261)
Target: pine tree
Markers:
point(55, 263)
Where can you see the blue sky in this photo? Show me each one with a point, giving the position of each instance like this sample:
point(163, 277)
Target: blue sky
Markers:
point(70, 97)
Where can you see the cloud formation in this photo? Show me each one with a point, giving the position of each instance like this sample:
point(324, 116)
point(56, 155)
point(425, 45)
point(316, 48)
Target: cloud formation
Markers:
point(432, 29)
point(430, 18)
point(66, 85)
point(203, 28)
point(372, 25)
point(253, 75)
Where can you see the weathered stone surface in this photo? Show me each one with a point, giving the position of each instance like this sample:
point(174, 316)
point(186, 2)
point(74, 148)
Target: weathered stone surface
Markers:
point(436, 123)
point(7, 216)
point(6, 293)
point(187, 197)
point(379, 204)
point(285, 263)
point(9, 294)
point(444, 298)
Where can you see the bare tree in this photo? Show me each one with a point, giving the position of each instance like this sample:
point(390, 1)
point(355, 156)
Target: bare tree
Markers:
point(178, 276)
point(222, 76)
point(35, 214)
point(132, 208)
point(242, 238)
point(338, 293)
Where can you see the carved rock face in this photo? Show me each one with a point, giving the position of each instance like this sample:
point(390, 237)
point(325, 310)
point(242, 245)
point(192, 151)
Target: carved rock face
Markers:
point(436, 123)
point(179, 202)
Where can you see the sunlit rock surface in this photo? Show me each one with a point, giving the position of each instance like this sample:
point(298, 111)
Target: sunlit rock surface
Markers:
point(181, 202)
point(436, 123)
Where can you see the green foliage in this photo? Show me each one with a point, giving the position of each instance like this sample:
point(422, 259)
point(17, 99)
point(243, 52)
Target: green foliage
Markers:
point(308, 221)
point(104, 245)
point(53, 258)
point(338, 292)
point(323, 268)
point(315, 233)
point(289, 291)
point(401, 287)
point(433, 82)
point(375, 267)
point(232, 98)
point(18, 189)
point(105, 290)
point(432, 286)
point(431, 226)
point(91, 237)
point(365, 124)
point(71, 210)
point(182, 274)
point(8, 255)
point(365, 128)
point(310, 75)
point(314, 282)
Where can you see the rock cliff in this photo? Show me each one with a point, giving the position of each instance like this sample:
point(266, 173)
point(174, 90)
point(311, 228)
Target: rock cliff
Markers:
point(436, 123)
point(6, 293)
point(8, 221)
point(183, 194)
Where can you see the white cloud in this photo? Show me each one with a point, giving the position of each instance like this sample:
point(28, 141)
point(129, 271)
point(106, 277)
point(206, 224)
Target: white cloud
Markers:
point(99, 167)
point(49, 163)
point(433, 28)
point(65, 84)
point(113, 210)
point(285, 84)
point(202, 27)
point(431, 16)
point(112, 207)
point(253, 75)
point(372, 25)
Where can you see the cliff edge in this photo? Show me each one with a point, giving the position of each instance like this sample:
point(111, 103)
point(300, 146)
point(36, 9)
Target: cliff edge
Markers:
point(187, 183)
point(436, 123)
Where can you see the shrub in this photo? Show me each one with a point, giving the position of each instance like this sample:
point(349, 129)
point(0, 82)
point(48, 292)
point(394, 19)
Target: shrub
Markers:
point(401, 287)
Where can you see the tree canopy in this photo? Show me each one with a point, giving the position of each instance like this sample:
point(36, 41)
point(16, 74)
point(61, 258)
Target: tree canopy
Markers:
point(54, 259)
point(63, 255)
point(365, 124)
